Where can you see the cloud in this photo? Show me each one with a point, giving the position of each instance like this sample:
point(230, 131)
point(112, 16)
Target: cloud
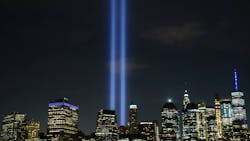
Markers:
point(174, 34)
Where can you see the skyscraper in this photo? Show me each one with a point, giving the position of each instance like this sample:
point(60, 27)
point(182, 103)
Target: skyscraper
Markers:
point(33, 128)
point(226, 112)
point(11, 126)
point(217, 107)
point(189, 123)
point(62, 120)
point(186, 99)
point(133, 128)
point(170, 122)
point(211, 124)
point(106, 126)
point(201, 122)
point(150, 130)
point(238, 105)
point(227, 118)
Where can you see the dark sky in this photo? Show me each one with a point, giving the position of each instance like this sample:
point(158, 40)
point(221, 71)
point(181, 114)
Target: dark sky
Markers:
point(53, 49)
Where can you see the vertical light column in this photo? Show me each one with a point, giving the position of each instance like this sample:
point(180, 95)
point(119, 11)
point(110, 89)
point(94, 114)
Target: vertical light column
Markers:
point(123, 22)
point(113, 44)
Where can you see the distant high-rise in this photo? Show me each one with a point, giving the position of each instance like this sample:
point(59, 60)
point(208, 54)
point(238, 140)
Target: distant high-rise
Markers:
point(150, 130)
point(226, 112)
point(201, 122)
point(227, 118)
point(133, 128)
point(32, 128)
point(106, 128)
point(186, 100)
point(238, 105)
point(170, 122)
point(62, 120)
point(212, 130)
point(189, 123)
point(217, 107)
point(11, 126)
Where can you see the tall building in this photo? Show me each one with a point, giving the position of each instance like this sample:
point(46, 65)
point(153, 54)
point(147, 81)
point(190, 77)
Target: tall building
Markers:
point(32, 128)
point(189, 123)
point(201, 122)
point(149, 130)
point(186, 100)
point(211, 124)
point(226, 112)
point(106, 128)
point(227, 118)
point(170, 122)
point(132, 121)
point(238, 105)
point(217, 107)
point(11, 126)
point(62, 120)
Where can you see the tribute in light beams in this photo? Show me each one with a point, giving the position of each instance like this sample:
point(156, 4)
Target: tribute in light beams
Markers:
point(236, 87)
point(113, 45)
point(118, 47)
point(123, 62)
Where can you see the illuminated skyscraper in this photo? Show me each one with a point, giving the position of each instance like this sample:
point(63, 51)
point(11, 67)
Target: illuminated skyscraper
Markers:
point(217, 107)
point(150, 130)
point(227, 118)
point(201, 122)
point(133, 128)
point(11, 126)
point(189, 123)
point(62, 120)
point(33, 128)
point(106, 128)
point(29, 130)
point(186, 100)
point(226, 112)
point(170, 122)
point(212, 129)
point(238, 105)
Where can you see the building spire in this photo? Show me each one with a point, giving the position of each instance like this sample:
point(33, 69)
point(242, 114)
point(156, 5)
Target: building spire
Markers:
point(236, 87)
point(185, 91)
point(186, 99)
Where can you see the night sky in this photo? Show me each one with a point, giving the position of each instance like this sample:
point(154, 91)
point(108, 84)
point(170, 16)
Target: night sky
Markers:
point(55, 49)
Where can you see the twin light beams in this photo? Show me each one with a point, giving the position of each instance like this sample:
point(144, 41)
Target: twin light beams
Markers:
point(118, 23)
point(118, 30)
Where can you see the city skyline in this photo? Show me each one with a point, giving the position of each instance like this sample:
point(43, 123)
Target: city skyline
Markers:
point(51, 50)
point(169, 103)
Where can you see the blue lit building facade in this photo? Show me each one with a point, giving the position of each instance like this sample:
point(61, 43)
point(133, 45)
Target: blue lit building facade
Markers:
point(238, 105)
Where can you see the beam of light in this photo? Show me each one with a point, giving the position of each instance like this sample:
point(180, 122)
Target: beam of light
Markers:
point(236, 87)
point(123, 22)
point(112, 52)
